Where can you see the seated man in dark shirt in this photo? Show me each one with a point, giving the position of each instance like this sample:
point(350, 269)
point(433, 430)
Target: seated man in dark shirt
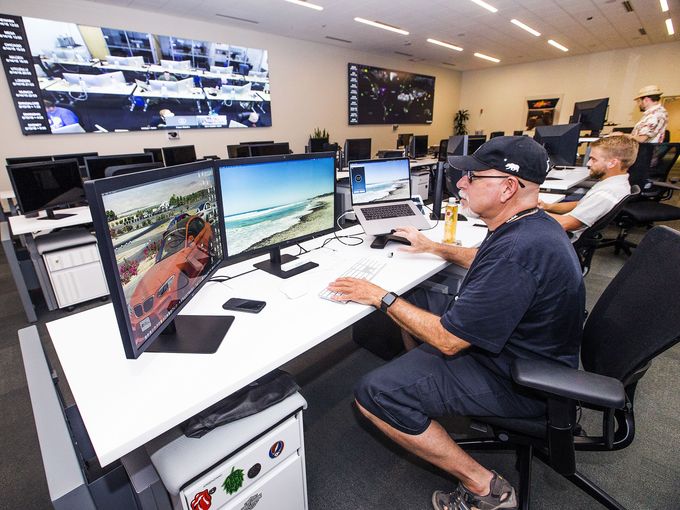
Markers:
point(522, 298)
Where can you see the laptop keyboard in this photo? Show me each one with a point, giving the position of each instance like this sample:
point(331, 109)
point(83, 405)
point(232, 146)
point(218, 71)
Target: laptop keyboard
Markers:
point(364, 269)
point(387, 211)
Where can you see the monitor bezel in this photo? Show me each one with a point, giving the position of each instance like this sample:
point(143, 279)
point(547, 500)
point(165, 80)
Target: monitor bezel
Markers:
point(17, 195)
point(112, 156)
point(171, 150)
point(244, 255)
point(94, 191)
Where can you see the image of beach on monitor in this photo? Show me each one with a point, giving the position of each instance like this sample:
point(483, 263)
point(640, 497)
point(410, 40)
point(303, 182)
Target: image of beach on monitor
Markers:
point(266, 204)
point(382, 180)
point(165, 241)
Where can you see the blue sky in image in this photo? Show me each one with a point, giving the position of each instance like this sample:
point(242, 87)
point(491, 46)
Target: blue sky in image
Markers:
point(262, 185)
point(386, 170)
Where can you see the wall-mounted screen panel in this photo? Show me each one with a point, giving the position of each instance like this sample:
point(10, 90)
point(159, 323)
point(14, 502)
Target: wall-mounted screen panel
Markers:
point(385, 96)
point(70, 78)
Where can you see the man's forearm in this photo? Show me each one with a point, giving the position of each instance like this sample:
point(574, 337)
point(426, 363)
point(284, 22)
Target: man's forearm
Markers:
point(560, 207)
point(455, 254)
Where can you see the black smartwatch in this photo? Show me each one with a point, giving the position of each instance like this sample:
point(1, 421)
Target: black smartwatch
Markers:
point(387, 301)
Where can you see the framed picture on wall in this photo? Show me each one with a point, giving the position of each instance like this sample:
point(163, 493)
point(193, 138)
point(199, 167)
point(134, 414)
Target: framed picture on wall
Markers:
point(541, 112)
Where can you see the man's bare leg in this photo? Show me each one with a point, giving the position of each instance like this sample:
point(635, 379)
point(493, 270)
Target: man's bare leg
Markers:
point(436, 446)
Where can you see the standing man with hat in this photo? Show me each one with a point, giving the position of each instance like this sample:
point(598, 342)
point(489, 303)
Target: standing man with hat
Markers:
point(651, 128)
point(522, 298)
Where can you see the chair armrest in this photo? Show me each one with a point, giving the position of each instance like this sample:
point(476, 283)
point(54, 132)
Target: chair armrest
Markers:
point(666, 185)
point(570, 383)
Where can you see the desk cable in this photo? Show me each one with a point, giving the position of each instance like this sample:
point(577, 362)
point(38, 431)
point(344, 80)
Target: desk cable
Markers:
point(222, 279)
point(340, 238)
point(433, 213)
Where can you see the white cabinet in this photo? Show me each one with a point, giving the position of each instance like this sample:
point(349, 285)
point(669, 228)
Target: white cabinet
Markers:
point(420, 183)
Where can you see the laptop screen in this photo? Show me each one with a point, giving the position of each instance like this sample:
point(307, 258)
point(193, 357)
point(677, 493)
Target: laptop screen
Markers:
point(380, 180)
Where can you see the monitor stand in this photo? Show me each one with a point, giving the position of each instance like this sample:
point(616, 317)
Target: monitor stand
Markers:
point(273, 265)
point(52, 216)
point(193, 334)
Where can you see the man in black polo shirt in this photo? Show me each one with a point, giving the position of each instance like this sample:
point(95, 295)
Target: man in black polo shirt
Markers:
point(522, 298)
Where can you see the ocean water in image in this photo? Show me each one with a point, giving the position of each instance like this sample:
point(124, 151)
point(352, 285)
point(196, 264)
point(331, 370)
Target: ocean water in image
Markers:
point(381, 190)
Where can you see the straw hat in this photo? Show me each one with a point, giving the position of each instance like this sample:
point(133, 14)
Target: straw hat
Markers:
point(649, 90)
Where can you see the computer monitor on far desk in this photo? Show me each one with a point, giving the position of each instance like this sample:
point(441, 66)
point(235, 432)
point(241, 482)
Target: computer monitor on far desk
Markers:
point(591, 115)
point(403, 139)
point(96, 165)
point(273, 202)
point(417, 147)
point(357, 149)
point(561, 142)
point(152, 272)
point(179, 154)
point(474, 142)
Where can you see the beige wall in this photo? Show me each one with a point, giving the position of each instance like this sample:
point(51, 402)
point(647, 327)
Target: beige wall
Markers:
point(496, 98)
point(309, 88)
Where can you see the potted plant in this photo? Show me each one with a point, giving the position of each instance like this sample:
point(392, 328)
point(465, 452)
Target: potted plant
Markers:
point(459, 121)
point(317, 140)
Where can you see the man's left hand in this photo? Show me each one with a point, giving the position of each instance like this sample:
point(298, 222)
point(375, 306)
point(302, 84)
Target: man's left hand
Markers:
point(359, 291)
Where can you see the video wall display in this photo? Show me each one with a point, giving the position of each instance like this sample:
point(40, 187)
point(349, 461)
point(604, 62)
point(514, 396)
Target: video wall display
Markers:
point(385, 96)
point(541, 112)
point(165, 239)
point(70, 78)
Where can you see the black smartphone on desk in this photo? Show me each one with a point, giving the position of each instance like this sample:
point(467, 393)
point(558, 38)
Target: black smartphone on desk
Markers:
point(244, 305)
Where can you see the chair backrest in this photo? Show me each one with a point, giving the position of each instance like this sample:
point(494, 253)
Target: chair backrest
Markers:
point(636, 318)
point(590, 232)
point(639, 170)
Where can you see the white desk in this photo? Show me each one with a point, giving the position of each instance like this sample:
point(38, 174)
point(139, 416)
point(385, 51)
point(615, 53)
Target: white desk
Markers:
point(551, 198)
point(116, 89)
point(126, 403)
point(191, 94)
point(562, 180)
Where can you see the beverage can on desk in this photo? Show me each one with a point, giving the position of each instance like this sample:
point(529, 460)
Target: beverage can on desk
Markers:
point(450, 221)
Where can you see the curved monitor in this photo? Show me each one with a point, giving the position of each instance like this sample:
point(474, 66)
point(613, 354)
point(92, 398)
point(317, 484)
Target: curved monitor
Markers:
point(160, 240)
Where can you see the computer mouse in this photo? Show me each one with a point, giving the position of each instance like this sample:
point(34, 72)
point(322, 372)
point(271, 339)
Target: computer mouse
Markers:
point(398, 239)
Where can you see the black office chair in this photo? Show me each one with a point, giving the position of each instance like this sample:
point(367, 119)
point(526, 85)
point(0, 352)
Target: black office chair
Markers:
point(591, 238)
point(634, 320)
point(650, 172)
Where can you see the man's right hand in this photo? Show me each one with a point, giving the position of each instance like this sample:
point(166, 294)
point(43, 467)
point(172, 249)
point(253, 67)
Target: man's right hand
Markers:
point(419, 242)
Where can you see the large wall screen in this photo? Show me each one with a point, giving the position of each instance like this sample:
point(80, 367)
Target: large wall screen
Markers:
point(385, 96)
point(69, 78)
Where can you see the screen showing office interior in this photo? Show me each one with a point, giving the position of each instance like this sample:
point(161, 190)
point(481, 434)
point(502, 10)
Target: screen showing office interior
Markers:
point(356, 149)
point(46, 185)
point(96, 165)
point(561, 142)
point(166, 239)
point(386, 96)
point(591, 114)
point(114, 79)
point(277, 200)
point(179, 155)
point(380, 180)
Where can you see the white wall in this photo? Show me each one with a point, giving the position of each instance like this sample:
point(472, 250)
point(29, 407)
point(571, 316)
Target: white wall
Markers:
point(496, 98)
point(309, 88)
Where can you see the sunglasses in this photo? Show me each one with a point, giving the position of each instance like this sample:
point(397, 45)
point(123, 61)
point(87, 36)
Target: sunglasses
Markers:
point(471, 176)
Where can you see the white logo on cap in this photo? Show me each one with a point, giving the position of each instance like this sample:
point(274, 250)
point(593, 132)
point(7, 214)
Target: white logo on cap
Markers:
point(512, 167)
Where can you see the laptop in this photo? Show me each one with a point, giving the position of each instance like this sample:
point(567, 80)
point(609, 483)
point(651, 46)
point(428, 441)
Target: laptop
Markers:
point(380, 190)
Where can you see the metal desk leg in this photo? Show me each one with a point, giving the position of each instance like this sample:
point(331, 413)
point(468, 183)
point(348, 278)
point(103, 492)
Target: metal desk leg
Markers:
point(18, 277)
point(41, 272)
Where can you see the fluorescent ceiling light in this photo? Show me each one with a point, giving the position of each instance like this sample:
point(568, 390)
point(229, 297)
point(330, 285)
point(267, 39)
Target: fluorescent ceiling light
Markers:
point(445, 44)
point(487, 57)
point(488, 7)
point(664, 5)
point(525, 27)
point(306, 4)
point(557, 45)
point(377, 24)
point(669, 26)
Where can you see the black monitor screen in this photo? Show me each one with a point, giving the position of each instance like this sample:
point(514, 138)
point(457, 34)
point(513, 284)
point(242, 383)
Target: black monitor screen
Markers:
point(561, 142)
point(475, 142)
point(27, 159)
point(457, 145)
point(258, 142)
point(160, 239)
point(269, 149)
point(277, 200)
point(80, 156)
point(386, 96)
point(96, 165)
point(238, 151)
point(357, 149)
point(46, 185)
point(591, 114)
point(131, 169)
point(418, 146)
point(179, 155)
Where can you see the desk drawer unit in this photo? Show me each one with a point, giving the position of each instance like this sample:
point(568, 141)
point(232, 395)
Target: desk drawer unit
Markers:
point(76, 274)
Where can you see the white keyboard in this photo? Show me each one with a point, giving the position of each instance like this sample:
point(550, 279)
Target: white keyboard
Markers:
point(364, 269)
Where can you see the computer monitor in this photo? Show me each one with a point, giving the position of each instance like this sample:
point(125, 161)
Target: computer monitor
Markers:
point(164, 86)
point(403, 139)
point(221, 70)
point(80, 156)
point(236, 89)
point(256, 142)
point(561, 142)
point(125, 61)
point(86, 81)
point(27, 159)
point(238, 151)
point(178, 65)
point(96, 165)
point(273, 202)
point(457, 145)
point(179, 154)
point(156, 152)
point(269, 149)
point(160, 239)
point(590, 114)
point(417, 147)
point(357, 149)
point(113, 171)
point(46, 185)
point(474, 142)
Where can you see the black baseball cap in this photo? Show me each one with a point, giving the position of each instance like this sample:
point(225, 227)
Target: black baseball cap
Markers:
point(516, 155)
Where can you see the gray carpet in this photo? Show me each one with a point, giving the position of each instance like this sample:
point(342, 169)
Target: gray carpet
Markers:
point(349, 465)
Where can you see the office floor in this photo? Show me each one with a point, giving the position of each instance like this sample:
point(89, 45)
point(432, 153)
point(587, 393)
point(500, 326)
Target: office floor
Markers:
point(349, 465)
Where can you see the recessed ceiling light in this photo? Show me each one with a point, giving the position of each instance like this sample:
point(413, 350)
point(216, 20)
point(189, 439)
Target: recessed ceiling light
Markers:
point(664, 5)
point(557, 45)
point(445, 44)
point(488, 7)
point(304, 3)
point(487, 57)
point(384, 26)
point(525, 27)
point(669, 26)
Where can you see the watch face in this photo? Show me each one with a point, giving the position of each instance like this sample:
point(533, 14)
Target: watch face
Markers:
point(388, 300)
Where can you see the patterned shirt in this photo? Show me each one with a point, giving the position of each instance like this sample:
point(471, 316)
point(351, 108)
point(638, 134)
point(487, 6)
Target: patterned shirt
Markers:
point(652, 124)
